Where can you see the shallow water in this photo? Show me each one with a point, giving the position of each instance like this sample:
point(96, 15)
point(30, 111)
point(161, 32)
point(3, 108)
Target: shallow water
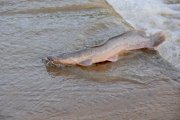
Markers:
point(141, 85)
point(152, 16)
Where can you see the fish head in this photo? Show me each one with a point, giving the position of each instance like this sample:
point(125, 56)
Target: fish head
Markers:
point(54, 60)
point(59, 60)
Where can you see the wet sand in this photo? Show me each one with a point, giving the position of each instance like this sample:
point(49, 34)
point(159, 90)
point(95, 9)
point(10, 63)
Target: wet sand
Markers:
point(141, 85)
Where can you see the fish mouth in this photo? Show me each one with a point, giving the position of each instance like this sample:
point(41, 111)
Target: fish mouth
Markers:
point(54, 60)
point(50, 58)
point(48, 61)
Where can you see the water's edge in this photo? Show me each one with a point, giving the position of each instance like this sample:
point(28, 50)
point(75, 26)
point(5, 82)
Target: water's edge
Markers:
point(152, 16)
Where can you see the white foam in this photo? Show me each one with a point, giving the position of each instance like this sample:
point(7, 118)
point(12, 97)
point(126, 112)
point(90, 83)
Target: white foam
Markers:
point(152, 16)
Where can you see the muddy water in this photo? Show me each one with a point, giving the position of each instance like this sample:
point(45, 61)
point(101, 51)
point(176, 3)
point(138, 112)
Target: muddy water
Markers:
point(141, 85)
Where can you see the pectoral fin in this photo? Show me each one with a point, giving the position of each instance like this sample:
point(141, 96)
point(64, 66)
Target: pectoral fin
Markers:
point(113, 58)
point(86, 62)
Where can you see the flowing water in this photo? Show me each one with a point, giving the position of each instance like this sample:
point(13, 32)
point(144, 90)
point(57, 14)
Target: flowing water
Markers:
point(152, 16)
point(143, 84)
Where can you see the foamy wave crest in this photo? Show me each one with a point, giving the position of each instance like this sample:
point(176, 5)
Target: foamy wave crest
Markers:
point(152, 16)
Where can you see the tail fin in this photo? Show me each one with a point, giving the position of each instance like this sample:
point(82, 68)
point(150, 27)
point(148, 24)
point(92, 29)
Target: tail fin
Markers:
point(157, 38)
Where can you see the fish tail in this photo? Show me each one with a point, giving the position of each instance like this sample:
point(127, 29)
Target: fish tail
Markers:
point(157, 38)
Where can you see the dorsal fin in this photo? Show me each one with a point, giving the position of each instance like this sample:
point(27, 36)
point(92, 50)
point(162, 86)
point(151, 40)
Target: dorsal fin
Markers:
point(142, 33)
point(100, 44)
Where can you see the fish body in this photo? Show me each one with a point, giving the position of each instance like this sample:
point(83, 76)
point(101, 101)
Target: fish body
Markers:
point(110, 50)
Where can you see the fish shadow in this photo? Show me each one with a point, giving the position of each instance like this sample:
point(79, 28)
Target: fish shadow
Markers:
point(137, 67)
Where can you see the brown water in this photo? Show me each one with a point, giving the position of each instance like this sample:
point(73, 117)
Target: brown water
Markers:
point(141, 85)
